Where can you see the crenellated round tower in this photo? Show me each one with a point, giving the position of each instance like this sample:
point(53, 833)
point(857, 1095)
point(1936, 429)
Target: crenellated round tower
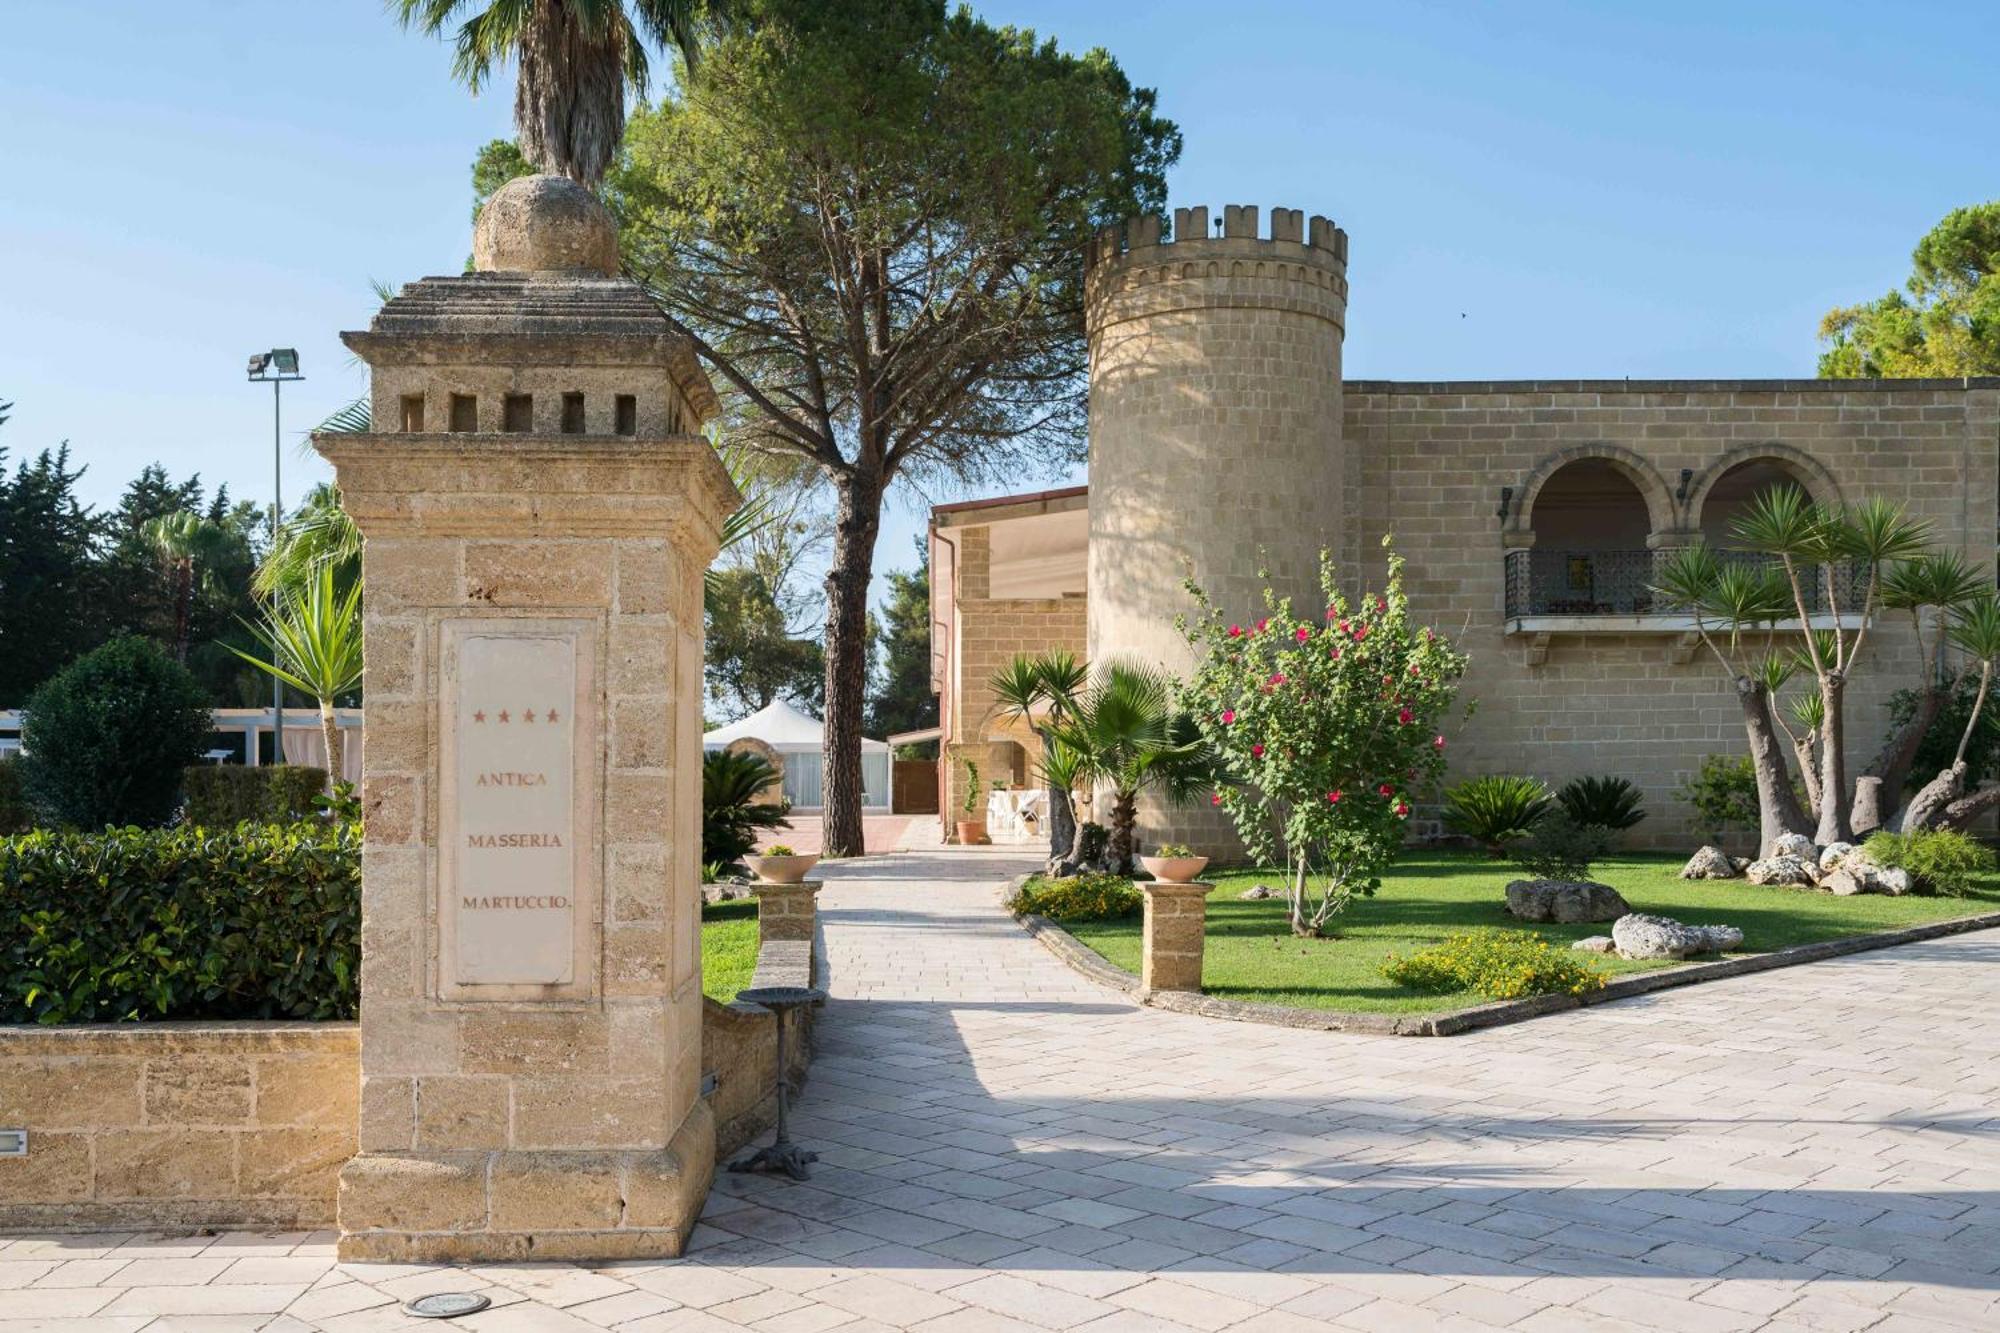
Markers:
point(1215, 427)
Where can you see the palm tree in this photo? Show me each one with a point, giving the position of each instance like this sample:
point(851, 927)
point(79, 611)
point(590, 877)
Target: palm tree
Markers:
point(1126, 733)
point(1042, 692)
point(313, 636)
point(187, 545)
point(576, 58)
point(319, 533)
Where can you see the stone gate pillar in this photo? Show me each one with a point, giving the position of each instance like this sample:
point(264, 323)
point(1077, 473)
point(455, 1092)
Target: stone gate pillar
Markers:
point(538, 508)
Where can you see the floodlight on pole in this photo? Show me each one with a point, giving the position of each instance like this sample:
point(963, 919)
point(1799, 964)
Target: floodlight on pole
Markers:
point(277, 366)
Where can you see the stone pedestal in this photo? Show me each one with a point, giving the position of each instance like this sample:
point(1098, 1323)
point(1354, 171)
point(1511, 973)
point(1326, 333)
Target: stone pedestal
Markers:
point(789, 912)
point(1176, 916)
point(531, 902)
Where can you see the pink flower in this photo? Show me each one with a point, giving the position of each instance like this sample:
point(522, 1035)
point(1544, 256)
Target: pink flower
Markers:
point(1381, 604)
point(1336, 652)
point(1235, 631)
point(1216, 799)
point(1331, 613)
point(1385, 790)
point(1229, 720)
point(1333, 797)
point(1402, 810)
point(1257, 750)
point(1277, 678)
point(1437, 743)
point(1415, 668)
point(1406, 717)
point(1263, 625)
point(1428, 636)
point(1360, 633)
point(1302, 634)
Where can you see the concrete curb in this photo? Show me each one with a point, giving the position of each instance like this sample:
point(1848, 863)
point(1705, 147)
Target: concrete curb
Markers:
point(1083, 959)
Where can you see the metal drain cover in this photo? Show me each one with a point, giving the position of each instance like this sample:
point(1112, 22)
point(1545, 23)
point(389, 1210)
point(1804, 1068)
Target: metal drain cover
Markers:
point(446, 1305)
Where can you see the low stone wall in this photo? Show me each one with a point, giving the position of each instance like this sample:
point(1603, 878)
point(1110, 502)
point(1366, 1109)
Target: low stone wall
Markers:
point(177, 1124)
point(739, 1046)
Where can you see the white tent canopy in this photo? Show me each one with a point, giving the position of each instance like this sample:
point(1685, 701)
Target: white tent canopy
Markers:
point(800, 738)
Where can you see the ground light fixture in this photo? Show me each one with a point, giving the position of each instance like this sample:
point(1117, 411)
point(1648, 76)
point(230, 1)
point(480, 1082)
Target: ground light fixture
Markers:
point(277, 367)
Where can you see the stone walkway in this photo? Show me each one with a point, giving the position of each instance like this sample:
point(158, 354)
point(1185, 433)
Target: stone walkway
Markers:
point(1005, 1147)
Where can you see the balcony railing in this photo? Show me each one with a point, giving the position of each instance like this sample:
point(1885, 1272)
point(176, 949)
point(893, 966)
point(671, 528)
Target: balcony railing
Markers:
point(1544, 582)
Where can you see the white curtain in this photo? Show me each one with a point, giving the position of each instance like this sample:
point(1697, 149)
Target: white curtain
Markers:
point(305, 745)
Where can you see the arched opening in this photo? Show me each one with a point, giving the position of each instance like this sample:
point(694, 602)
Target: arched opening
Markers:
point(1737, 491)
point(1590, 556)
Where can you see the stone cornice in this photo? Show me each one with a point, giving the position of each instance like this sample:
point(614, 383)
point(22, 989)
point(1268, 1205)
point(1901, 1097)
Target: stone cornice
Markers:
point(480, 485)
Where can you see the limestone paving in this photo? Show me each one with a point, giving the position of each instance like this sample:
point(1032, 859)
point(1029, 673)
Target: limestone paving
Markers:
point(1005, 1147)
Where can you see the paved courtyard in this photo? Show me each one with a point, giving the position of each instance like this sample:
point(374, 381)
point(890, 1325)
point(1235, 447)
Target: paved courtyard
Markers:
point(1004, 1147)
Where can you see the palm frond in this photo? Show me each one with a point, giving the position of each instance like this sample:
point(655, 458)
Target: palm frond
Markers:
point(357, 418)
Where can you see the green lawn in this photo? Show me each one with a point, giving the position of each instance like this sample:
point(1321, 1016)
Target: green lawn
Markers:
point(728, 947)
point(1251, 954)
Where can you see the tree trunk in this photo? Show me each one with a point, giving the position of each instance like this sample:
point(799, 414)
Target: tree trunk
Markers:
point(1835, 801)
point(1808, 770)
point(1961, 812)
point(1892, 767)
point(1124, 822)
point(1777, 804)
point(1296, 891)
point(183, 610)
point(855, 528)
point(1928, 806)
point(329, 727)
point(1062, 818)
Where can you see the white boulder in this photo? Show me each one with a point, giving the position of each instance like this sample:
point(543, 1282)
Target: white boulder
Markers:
point(1639, 935)
point(1710, 863)
point(1781, 869)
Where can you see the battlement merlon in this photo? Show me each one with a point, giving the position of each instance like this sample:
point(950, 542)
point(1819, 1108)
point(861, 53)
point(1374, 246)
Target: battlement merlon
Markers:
point(1238, 224)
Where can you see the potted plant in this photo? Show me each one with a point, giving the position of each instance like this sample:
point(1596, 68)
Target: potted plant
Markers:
point(1174, 863)
point(971, 814)
point(779, 864)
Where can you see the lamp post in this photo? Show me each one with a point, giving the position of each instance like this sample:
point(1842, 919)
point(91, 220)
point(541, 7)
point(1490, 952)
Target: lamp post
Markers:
point(277, 367)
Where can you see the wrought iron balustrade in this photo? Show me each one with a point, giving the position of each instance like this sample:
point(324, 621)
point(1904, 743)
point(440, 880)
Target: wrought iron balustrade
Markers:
point(1543, 582)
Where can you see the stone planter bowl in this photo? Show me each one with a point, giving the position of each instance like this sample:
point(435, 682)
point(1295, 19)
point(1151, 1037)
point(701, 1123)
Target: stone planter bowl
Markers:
point(781, 869)
point(1174, 869)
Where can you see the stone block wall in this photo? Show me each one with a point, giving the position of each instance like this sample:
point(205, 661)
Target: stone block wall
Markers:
point(739, 1046)
point(991, 633)
point(1649, 706)
point(175, 1125)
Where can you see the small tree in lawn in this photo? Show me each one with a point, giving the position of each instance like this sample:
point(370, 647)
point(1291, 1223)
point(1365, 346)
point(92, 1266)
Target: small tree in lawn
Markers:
point(1325, 730)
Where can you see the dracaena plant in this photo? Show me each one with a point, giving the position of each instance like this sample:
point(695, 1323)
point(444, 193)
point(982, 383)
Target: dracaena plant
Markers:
point(1327, 728)
point(1827, 575)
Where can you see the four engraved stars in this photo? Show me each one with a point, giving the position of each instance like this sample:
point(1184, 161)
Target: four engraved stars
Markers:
point(527, 715)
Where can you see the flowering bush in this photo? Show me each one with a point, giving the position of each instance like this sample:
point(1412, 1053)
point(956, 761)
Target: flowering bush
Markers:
point(1499, 964)
point(1325, 731)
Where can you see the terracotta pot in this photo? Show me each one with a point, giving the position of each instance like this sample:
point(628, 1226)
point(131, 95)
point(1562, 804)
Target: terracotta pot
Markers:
point(971, 831)
point(1174, 869)
point(781, 869)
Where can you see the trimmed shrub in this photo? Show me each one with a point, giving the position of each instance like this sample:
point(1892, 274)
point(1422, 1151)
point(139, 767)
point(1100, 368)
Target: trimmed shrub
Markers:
point(1559, 847)
point(1939, 860)
point(260, 921)
point(1077, 898)
point(1606, 803)
point(109, 735)
point(1498, 964)
point(224, 795)
point(15, 814)
point(1495, 810)
point(1723, 793)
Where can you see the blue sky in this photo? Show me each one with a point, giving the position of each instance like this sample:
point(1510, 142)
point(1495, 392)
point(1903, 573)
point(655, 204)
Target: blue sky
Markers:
point(1532, 189)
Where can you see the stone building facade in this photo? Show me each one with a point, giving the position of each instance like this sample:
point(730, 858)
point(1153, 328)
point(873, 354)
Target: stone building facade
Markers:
point(1533, 513)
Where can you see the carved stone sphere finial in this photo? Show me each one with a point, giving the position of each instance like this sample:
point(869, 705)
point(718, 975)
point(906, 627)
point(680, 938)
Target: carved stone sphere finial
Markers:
point(544, 224)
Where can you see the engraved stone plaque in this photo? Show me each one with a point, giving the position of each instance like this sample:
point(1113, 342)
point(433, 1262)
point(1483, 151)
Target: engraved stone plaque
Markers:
point(516, 832)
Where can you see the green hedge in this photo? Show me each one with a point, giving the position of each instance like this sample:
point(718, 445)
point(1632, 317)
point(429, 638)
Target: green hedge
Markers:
point(15, 814)
point(258, 921)
point(224, 795)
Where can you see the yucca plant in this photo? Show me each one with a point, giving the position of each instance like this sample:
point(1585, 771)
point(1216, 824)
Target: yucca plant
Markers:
point(1127, 733)
point(1605, 802)
point(313, 636)
point(1496, 809)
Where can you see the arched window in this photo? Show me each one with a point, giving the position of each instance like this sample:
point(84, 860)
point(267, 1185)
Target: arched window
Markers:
point(1736, 491)
point(1590, 555)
